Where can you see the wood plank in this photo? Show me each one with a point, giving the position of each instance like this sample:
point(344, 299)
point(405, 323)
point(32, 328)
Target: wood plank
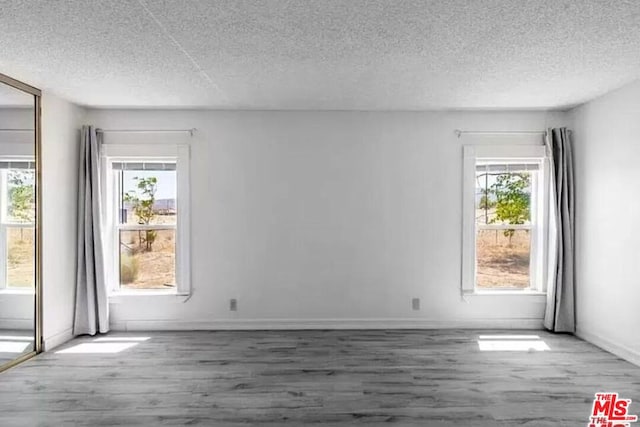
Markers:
point(329, 378)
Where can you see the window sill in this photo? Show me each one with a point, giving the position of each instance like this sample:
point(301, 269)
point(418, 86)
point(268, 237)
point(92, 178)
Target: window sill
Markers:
point(17, 291)
point(121, 296)
point(510, 292)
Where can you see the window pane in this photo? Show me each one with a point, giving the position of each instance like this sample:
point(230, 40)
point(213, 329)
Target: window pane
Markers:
point(20, 196)
point(502, 197)
point(503, 258)
point(147, 196)
point(20, 257)
point(147, 259)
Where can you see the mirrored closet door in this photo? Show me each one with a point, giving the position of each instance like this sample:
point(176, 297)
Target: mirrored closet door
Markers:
point(20, 293)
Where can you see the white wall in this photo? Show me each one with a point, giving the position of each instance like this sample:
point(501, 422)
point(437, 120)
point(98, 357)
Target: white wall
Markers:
point(17, 118)
point(607, 157)
point(61, 122)
point(325, 219)
point(17, 309)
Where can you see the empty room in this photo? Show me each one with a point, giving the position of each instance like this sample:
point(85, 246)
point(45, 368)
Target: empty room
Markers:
point(319, 212)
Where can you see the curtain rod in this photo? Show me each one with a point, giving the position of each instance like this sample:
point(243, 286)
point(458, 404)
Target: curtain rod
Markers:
point(16, 130)
point(189, 131)
point(459, 132)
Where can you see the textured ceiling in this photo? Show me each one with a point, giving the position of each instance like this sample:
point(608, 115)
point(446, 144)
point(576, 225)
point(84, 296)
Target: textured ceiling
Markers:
point(323, 54)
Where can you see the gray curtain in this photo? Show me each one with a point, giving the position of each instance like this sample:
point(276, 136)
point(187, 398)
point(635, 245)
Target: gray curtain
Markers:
point(92, 306)
point(560, 311)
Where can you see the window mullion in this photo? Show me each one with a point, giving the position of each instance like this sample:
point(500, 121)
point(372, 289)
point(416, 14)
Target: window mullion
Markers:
point(505, 226)
point(142, 227)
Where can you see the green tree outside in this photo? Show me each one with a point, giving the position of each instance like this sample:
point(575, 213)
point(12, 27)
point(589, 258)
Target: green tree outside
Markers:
point(21, 194)
point(513, 200)
point(143, 202)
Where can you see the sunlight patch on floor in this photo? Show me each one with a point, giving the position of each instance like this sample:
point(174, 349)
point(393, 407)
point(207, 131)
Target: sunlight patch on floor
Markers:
point(14, 346)
point(104, 345)
point(529, 343)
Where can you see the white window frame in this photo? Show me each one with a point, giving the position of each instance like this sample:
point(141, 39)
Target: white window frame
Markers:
point(116, 153)
point(505, 154)
point(5, 224)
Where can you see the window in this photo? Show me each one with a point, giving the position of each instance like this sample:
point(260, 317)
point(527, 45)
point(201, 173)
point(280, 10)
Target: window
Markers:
point(504, 218)
point(17, 224)
point(147, 218)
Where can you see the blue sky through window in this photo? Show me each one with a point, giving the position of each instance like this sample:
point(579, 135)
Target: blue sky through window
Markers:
point(166, 182)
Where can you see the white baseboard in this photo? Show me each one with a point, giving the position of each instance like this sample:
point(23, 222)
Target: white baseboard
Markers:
point(298, 324)
point(58, 339)
point(17, 324)
point(619, 350)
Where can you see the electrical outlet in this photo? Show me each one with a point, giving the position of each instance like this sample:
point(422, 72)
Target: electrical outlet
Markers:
point(415, 304)
point(233, 305)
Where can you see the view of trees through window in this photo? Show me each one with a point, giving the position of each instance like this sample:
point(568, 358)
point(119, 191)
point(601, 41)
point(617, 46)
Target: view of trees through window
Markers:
point(17, 229)
point(147, 230)
point(503, 253)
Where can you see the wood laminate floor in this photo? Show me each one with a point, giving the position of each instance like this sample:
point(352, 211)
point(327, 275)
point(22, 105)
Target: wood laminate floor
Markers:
point(328, 378)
